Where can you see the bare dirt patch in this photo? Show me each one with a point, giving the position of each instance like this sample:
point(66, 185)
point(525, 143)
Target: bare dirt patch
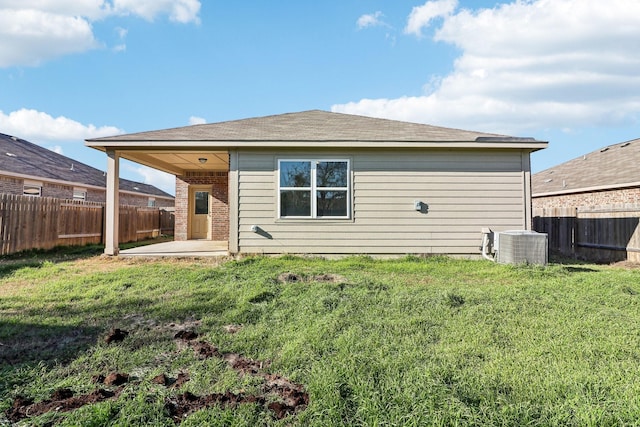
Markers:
point(627, 265)
point(298, 278)
point(291, 397)
point(232, 329)
point(333, 278)
point(244, 365)
point(116, 378)
point(186, 335)
point(166, 381)
point(204, 350)
point(184, 404)
point(62, 400)
point(290, 278)
point(277, 394)
point(116, 335)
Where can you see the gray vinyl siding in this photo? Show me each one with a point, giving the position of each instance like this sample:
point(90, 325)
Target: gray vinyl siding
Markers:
point(465, 190)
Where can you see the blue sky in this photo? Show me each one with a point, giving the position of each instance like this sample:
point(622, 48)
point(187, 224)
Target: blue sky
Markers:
point(566, 71)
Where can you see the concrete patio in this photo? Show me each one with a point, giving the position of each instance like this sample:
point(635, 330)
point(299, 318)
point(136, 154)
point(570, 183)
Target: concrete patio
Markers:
point(182, 249)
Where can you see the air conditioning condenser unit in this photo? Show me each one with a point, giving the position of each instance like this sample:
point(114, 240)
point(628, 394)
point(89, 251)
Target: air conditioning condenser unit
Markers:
point(521, 247)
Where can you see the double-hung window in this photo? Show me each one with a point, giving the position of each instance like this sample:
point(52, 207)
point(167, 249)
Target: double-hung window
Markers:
point(313, 189)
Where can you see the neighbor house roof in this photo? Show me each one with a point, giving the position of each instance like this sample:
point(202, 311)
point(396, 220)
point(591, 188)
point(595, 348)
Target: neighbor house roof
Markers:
point(311, 128)
point(613, 166)
point(22, 158)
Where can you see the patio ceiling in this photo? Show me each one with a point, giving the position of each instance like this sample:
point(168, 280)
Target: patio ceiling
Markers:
point(179, 162)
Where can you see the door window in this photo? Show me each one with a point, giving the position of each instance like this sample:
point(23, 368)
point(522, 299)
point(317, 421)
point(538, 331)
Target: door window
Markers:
point(201, 202)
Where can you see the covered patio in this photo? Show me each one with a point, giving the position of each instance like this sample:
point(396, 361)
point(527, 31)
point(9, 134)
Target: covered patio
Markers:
point(202, 210)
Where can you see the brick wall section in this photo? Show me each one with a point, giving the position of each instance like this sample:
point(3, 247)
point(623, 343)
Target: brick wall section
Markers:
point(11, 185)
point(219, 208)
point(57, 191)
point(182, 209)
point(589, 200)
point(96, 196)
point(164, 203)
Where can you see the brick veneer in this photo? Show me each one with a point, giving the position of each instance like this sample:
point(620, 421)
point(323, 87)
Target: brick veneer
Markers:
point(11, 185)
point(586, 200)
point(219, 207)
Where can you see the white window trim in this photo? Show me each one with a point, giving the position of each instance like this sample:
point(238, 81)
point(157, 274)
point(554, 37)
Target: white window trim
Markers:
point(314, 189)
point(32, 185)
point(78, 190)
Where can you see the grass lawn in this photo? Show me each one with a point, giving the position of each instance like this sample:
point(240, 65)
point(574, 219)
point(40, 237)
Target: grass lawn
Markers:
point(407, 342)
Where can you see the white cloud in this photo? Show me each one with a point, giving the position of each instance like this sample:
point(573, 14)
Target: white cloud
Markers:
point(193, 120)
point(39, 126)
point(421, 16)
point(43, 129)
point(162, 180)
point(91, 9)
point(35, 31)
point(29, 37)
point(122, 32)
point(56, 149)
point(183, 11)
point(529, 65)
point(122, 35)
point(370, 20)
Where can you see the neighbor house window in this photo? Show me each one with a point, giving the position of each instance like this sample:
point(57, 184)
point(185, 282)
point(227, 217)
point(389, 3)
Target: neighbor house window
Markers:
point(151, 203)
point(79, 194)
point(313, 189)
point(33, 190)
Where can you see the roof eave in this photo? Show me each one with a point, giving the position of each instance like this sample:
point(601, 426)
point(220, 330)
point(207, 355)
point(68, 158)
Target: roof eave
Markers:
point(586, 189)
point(104, 144)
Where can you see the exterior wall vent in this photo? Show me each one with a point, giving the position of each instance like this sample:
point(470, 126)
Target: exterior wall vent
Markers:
point(522, 247)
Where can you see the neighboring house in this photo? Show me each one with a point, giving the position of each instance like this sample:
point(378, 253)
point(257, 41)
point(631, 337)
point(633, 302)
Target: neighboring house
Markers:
point(326, 183)
point(590, 206)
point(607, 176)
point(28, 169)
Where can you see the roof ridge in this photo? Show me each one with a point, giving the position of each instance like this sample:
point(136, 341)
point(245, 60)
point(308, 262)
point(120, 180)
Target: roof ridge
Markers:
point(309, 125)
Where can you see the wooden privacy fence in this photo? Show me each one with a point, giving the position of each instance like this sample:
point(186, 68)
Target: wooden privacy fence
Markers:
point(43, 223)
point(604, 234)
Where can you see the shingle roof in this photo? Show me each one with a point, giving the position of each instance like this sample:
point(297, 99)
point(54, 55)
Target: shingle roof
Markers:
point(22, 157)
point(612, 166)
point(314, 125)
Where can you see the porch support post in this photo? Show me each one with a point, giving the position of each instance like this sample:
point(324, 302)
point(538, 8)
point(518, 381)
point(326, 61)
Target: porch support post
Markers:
point(113, 203)
point(233, 202)
point(526, 177)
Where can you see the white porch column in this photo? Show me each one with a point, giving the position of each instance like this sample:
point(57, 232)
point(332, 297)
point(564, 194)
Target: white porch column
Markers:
point(233, 202)
point(113, 203)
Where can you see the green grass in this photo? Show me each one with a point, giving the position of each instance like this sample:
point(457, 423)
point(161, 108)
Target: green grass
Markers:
point(408, 342)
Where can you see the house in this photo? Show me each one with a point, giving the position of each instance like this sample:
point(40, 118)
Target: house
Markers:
point(28, 169)
point(590, 206)
point(317, 182)
point(609, 175)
